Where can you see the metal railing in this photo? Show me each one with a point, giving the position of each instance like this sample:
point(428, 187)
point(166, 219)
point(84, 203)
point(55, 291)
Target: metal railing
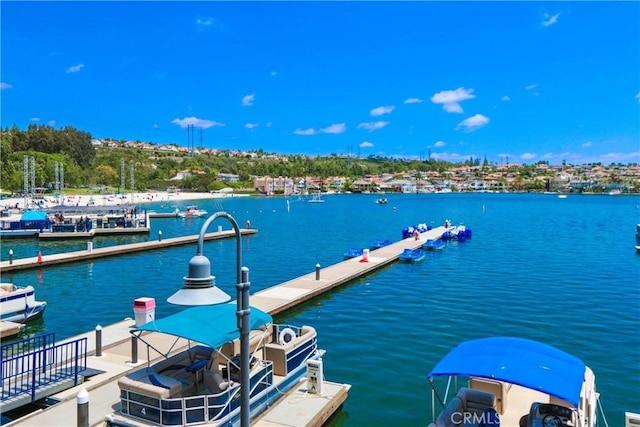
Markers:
point(37, 362)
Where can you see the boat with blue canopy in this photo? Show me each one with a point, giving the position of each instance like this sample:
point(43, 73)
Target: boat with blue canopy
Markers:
point(513, 382)
point(200, 382)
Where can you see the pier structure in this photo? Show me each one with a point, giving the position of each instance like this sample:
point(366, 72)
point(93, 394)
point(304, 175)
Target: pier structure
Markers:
point(114, 359)
point(94, 253)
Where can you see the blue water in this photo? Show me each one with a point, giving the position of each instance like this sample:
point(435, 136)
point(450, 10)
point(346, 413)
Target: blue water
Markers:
point(561, 271)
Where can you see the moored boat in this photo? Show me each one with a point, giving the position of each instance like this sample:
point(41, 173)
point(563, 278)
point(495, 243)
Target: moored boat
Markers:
point(201, 384)
point(513, 382)
point(18, 304)
point(353, 252)
point(432, 244)
point(411, 255)
point(316, 198)
point(378, 243)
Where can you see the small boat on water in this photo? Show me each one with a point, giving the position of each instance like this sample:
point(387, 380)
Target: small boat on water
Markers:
point(432, 244)
point(509, 381)
point(411, 255)
point(316, 198)
point(353, 252)
point(201, 385)
point(457, 232)
point(18, 304)
point(382, 201)
point(377, 244)
point(191, 211)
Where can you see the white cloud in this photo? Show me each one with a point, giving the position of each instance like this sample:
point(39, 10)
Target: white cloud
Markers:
point(412, 101)
point(4, 86)
point(637, 95)
point(587, 144)
point(268, 124)
point(273, 73)
point(439, 144)
point(505, 98)
point(533, 86)
point(155, 126)
point(205, 21)
point(310, 131)
point(248, 100)
point(366, 144)
point(34, 119)
point(371, 126)
point(379, 111)
point(450, 99)
point(75, 68)
point(251, 125)
point(474, 122)
point(199, 123)
point(528, 156)
point(549, 19)
point(335, 128)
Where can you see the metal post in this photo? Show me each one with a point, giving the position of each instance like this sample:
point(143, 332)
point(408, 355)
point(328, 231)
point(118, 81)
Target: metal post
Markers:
point(134, 349)
point(83, 408)
point(159, 235)
point(317, 271)
point(243, 313)
point(10, 256)
point(98, 341)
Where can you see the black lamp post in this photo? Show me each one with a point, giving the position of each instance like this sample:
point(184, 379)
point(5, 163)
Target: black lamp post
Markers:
point(199, 289)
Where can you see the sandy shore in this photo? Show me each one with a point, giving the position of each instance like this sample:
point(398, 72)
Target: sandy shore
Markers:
point(112, 200)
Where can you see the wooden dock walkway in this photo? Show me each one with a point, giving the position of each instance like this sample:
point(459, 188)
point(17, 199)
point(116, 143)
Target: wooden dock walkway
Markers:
point(115, 361)
point(95, 253)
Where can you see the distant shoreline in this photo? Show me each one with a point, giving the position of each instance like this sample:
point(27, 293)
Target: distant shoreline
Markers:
point(112, 200)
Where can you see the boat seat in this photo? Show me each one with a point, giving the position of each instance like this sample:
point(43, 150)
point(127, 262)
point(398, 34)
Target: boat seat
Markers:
point(212, 378)
point(469, 408)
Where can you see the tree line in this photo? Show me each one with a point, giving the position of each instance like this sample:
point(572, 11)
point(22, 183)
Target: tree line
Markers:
point(89, 165)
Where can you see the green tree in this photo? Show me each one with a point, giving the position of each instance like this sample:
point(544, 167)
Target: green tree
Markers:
point(106, 175)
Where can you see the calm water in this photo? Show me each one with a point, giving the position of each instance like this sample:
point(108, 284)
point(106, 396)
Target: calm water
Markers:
point(561, 271)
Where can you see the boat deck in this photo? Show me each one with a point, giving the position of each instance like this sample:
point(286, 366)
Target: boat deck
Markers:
point(116, 359)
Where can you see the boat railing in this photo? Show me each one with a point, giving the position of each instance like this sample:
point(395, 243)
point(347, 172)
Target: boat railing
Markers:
point(40, 363)
point(196, 409)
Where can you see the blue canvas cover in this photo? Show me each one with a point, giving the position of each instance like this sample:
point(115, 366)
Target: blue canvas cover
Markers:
point(212, 325)
point(518, 361)
point(33, 216)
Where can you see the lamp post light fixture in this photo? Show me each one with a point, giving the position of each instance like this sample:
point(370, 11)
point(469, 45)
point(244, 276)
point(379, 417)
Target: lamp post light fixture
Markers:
point(199, 289)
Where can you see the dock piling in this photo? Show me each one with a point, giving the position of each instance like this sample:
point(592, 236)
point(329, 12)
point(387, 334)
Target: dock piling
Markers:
point(10, 256)
point(98, 341)
point(83, 408)
point(317, 271)
point(159, 235)
point(134, 349)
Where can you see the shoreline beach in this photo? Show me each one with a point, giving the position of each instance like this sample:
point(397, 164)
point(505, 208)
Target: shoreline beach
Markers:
point(110, 200)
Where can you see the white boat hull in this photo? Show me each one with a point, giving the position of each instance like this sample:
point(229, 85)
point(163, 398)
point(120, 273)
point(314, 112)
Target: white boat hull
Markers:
point(19, 304)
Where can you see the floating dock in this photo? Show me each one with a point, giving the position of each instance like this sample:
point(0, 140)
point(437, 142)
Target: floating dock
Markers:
point(116, 358)
point(95, 253)
point(9, 329)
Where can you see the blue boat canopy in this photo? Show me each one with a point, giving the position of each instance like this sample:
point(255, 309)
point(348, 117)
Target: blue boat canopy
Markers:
point(517, 361)
point(212, 325)
point(33, 216)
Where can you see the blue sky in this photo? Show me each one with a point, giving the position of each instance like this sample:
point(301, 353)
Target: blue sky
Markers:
point(527, 81)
